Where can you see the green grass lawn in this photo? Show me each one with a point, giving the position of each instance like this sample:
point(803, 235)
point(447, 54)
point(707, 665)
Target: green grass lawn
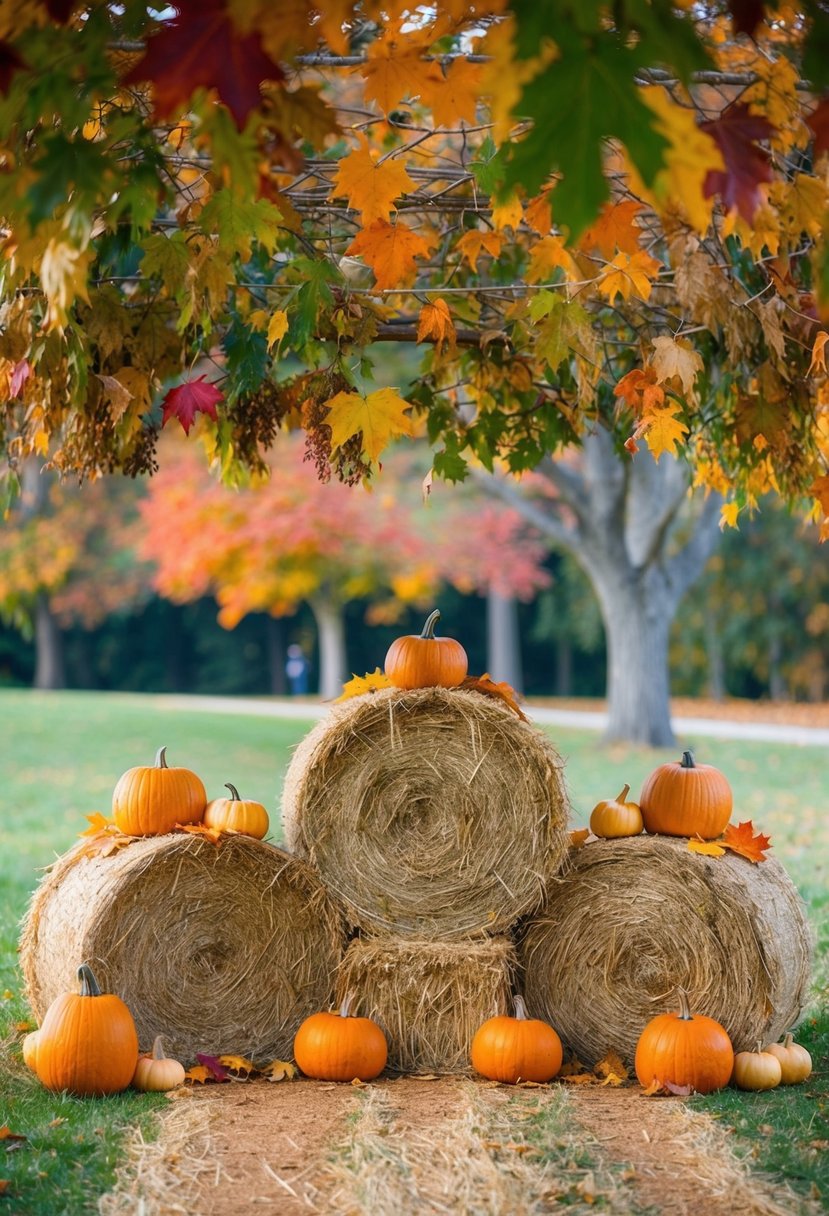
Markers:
point(60, 756)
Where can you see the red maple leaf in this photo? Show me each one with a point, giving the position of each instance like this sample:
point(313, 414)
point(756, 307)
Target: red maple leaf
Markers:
point(742, 840)
point(818, 122)
point(202, 48)
point(212, 1064)
point(746, 164)
point(188, 399)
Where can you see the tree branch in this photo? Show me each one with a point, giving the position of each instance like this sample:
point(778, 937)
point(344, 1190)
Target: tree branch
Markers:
point(548, 525)
point(686, 565)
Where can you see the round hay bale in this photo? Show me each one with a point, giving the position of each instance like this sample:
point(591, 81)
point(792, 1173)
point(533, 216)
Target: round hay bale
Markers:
point(429, 997)
point(435, 813)
point(633, 919)
point(219, 948)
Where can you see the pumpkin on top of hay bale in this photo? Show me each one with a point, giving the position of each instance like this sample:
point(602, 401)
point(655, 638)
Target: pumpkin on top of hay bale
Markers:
point(631, 920)
point(431, 812)
point(221, 947)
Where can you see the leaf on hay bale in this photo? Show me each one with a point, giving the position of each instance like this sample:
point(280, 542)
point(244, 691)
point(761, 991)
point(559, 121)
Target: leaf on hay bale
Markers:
point(201, 830)
point(744, 841)
point(357, 686)
point(103, 837)
point(502, 691)
point(707, 848)
point(579, 838)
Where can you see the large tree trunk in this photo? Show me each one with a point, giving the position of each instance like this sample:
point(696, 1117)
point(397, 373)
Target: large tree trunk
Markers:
point(49, 669)
point(503, 642)
point(332, 655)
point(631, 527)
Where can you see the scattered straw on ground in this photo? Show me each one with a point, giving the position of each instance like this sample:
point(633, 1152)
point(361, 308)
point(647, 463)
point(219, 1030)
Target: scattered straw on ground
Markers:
point(429, 997)
point(220, 948)
point(432, 813)
point(634, 918)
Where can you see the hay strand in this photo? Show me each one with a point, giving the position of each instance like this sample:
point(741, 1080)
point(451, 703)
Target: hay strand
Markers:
point(435, 813)
point(220, 948)
point(429, 997)
point(633, 919)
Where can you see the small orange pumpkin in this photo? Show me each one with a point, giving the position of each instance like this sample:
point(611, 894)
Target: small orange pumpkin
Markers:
point(156, 1073)
point(681, 1049)
point(151, 801)
point(426, 661)
point(616, 817)
point(87, 1043)
point(516, 1049)
point(237, 814)
point(795, 1061)
point(686, 799)
point(756, 1070)
point(340, 1047)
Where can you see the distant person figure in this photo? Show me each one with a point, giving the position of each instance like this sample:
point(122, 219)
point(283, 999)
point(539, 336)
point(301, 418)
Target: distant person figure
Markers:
point(296, 669)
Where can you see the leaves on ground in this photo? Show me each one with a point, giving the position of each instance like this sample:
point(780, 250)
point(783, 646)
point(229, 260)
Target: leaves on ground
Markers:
point(231, 1067)
point(357, 686)
point(610, 1070)
point(502, 691)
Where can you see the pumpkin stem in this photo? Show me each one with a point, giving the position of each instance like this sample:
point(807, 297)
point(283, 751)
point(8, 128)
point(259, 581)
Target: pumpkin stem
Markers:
point(234, 793)
point(520, 1008)
point(788, 1040)
point(684, 1007)
point(158, 1050)
point(688, 760)
point(89, 985)
point(759, 1046)
point(345, 1007)
point(428, 630)
point(161, 758)
point(623, 794)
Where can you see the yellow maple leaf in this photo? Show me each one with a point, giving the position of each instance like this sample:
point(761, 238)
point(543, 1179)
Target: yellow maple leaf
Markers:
point(278, 1070)
point(454, 95)
point(508, 213)
point(629, 274)
point(198, 1073)
point(774, 95)
point(358, 685)
point(390, 250)
point(663, 431)
point(370, 187)
point(538, 213)
point(547, 255)
point(435, 322)
point(708, 848)
point(237, 1064)
point(473, 242)
point(98, 823)
point(800, 204)
point(63, 277)
point(728, 515)
point(379, 416)
point(691, 154)
point(395, 68)
point(818, 363)
point(277, 327)
point(672, 357)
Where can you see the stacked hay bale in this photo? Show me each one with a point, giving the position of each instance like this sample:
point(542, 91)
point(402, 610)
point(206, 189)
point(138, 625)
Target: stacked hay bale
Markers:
point(222, 948)
point(437, 817)
point(630, 920)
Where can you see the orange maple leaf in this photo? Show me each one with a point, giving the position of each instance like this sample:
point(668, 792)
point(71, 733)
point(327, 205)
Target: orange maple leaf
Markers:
point(502, 691)
point(539, 213)
point(818, 363)
point(578, 838)
point(743, 840)
point(547, 255)
point(612, 1066)
point(614, 230)
point(452, 96)
point(98, 823)
point(370, 188)
point(214, 835)
point(629, 274)
point(435, 322)
point(198, 1074)
point(395, 68)
point(820, 489)
point(390, 250)
point(358, 685)
point(639, 390)
point(474, 241)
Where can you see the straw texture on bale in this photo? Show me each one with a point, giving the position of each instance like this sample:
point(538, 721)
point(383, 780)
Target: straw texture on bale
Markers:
point(633, 919)
point(429, 997)
point(219, 948)
point(435, 813)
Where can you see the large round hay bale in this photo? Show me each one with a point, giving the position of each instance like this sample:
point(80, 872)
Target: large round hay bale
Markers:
point(633, 919)
point(220, 948)
point(431, 813)
point(429, 997)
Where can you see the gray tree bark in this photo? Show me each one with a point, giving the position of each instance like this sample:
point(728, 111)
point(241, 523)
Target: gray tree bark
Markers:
point(331, 635)
point(503, 642)
point(642, 541)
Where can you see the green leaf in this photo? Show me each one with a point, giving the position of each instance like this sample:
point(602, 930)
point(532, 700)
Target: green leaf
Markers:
point(449, 464)
point(235, 153)
point(247, 359)
point(66, 167)
point(312, 294)
point(575, 103)
point(239, 222)
point(166, 258)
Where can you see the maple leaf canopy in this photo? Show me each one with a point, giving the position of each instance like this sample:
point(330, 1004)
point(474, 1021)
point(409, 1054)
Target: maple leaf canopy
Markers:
point(242, 200)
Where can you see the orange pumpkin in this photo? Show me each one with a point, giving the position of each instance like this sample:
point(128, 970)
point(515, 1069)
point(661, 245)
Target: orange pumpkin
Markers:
point(156, 1073)
point(516, 1049)
point(151, 801)
point(681, 1049)
point(237, 814)
point(795, 1061)
point(340, 1047)
point(756, 1070)
point(425, 661)
point(615, 817)
point(686, 799)
point(87, 1043)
